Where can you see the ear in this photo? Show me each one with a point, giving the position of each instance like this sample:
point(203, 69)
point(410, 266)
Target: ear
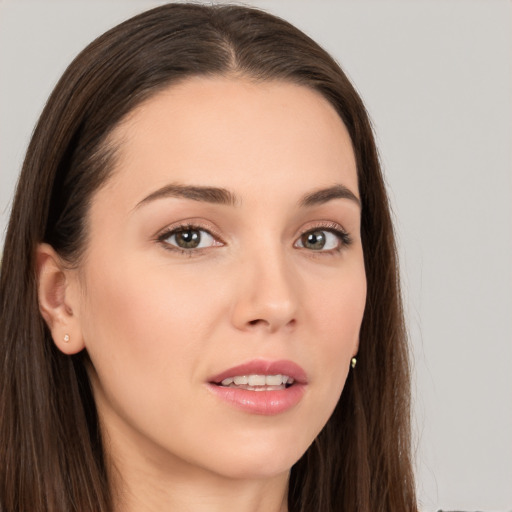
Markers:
point(58, 299)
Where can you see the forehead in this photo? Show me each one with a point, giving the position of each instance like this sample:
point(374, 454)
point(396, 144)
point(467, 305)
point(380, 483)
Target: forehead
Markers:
point(233, 132)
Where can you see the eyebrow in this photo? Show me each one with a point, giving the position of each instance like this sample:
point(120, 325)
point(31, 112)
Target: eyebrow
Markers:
point(324, 195)
point(223, 196)
point(213, 195)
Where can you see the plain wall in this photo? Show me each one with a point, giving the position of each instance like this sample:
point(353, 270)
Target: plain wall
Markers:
point(436, 78)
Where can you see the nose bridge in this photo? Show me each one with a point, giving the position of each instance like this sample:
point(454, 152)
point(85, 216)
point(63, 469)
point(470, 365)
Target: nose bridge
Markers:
point(267, 294)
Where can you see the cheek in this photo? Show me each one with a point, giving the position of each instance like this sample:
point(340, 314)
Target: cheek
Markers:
point(140, 307)
point(338, 311)
point(142, 332)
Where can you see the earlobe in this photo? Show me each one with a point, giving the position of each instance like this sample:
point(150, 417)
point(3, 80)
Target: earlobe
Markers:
point(56, 302)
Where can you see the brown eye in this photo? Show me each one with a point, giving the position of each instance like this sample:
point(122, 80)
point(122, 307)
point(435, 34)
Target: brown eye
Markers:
point(188, 238)
point(313, 240)
point(323, 240)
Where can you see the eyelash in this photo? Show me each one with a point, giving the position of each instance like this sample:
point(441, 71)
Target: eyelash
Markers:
point(173, 230)
point(345, 240)
point(331, 227)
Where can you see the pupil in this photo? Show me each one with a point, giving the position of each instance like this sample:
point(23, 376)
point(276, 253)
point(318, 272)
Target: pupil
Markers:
point(314, 240)
point(188, 239)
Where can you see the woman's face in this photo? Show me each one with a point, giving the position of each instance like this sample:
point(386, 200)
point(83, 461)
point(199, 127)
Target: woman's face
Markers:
point(225, 244)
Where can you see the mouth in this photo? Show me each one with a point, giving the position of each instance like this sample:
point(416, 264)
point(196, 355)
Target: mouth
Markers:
point(261, 374)
point(261, 387)
point(257, 382)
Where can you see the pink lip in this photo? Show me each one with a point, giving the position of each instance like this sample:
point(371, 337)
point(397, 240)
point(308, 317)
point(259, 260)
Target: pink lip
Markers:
point(262, 402)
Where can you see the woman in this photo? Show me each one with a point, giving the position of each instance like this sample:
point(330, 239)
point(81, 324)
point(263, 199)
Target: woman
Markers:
point(200, 246)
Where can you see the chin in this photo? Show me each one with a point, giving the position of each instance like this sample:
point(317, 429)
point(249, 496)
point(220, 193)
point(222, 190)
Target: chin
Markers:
point(256, 461)
point(255, 470)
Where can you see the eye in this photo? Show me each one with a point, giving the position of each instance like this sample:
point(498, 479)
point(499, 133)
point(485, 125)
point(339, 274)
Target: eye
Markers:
point(188, 238)
point(323, 240)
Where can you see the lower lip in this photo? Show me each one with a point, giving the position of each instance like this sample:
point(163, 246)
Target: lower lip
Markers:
point(266, 403)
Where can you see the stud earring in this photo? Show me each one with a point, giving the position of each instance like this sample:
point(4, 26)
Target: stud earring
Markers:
point(353, 362)
point(66, 338)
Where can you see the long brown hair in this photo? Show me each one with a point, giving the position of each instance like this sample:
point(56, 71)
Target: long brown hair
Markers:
point(51, 454)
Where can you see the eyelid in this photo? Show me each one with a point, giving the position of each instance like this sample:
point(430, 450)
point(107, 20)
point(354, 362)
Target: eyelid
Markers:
point(183, 226)
point(192, 224)
point(333, 227)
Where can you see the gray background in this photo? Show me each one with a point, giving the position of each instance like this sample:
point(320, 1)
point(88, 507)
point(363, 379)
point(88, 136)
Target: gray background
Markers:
point(436, 77)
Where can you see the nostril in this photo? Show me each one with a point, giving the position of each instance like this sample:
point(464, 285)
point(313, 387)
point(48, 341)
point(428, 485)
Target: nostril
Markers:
point(264, 322)
point(255, 322)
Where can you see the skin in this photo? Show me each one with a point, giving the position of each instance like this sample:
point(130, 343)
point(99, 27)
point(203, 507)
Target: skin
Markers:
point(157, 322)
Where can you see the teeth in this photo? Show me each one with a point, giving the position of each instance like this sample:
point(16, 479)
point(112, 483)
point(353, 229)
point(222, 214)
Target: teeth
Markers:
point(257, 388)
point(256, 381)
point(274, 380)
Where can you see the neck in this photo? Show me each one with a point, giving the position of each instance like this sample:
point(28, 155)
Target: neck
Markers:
point(201, 495)
point(144, 479)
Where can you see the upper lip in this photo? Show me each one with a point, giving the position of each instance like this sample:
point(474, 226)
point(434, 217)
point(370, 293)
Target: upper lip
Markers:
point(264, 367)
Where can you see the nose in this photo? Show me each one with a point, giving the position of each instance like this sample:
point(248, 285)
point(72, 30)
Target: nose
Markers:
point(266, 295)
